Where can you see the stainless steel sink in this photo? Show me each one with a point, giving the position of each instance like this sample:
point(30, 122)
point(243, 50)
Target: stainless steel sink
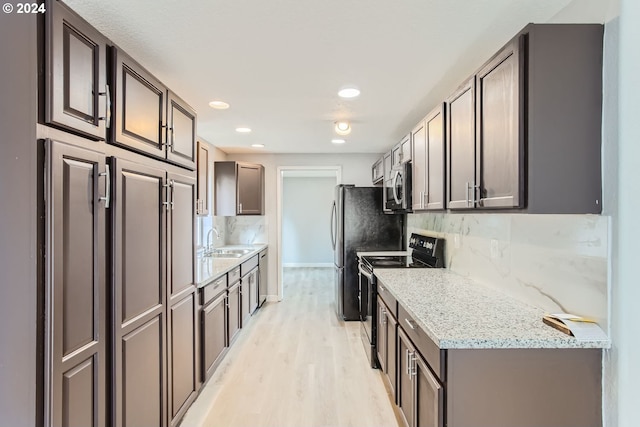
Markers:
point(228, 253)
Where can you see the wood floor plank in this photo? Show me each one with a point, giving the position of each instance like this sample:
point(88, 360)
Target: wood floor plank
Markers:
point(296, 365)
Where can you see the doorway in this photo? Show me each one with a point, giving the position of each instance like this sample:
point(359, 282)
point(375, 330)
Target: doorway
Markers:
point(304, 197)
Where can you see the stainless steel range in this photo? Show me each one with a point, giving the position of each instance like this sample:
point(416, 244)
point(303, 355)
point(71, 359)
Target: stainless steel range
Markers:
point(427, 252)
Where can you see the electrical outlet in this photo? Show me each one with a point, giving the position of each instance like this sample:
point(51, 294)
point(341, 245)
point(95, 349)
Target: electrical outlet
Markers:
point(494, 249)
point(456, 240)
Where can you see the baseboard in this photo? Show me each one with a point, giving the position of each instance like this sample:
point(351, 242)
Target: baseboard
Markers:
point(272, 298)
point(307, 264)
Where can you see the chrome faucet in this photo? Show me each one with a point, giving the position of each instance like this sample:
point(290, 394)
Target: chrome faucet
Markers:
point(209, 249)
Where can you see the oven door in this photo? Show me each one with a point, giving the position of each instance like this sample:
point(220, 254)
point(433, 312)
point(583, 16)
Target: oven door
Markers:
point(368, 311)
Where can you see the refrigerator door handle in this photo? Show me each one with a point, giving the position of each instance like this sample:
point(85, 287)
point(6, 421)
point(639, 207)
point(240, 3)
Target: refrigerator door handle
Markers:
point(333, 225)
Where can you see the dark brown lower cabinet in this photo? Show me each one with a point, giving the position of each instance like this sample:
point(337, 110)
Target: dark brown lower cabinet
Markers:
point(75, 329)
point(214, 334)
point(245, 301)
point(420, 395)
point(183, 356)
point(386, 344)
point(234, 312)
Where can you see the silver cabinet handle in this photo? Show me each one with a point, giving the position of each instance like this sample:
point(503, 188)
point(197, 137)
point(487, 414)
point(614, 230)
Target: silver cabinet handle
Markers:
point(411, 323)
point(466, 191)
point(413, 369)
point(239, 207)
point(107, 197)
point(408, 361)
point(381, 288)
point(107, 114)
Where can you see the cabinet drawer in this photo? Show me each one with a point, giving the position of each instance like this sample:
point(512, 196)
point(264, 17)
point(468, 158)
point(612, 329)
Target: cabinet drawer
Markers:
point(388, 299)
point(234, 276)
point(213, 289)
point(249, 265)
point(434, 356)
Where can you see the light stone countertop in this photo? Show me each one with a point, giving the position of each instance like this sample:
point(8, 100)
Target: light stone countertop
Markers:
point(458, 313)
point(210, 268)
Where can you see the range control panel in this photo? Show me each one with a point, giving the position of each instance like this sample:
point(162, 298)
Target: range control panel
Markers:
point(430, 246)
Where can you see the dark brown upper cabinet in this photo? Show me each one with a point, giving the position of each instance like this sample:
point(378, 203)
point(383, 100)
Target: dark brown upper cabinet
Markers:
point(77, 96)
point(239, 188)
point(148, 117)
point(140, 107)
point(202, 203)
point(500, 136)
point(461, 141)
point(525, 131)
point(181, 132)
point(428, 159)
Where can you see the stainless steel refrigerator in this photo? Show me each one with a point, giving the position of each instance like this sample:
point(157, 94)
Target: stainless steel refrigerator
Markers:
point(357, 225)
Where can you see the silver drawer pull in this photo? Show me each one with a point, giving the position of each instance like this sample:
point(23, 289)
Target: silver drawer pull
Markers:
point(381, 288)
point(411, 323)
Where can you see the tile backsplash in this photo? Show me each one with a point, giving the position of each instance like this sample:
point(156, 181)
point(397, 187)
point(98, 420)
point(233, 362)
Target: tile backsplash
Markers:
point(246, 229)
point(555, 262)
point(234, 230)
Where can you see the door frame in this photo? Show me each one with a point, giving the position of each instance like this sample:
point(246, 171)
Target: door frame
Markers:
point(301, 171)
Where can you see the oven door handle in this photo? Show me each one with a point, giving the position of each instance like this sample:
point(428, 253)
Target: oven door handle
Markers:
point(364, 272)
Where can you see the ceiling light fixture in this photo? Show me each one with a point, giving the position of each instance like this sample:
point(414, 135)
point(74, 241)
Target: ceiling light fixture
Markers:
point(243, 130)
point(342, 128)
point(219, 105)
point(349, 92)
point(257, 145)
point(338, 141)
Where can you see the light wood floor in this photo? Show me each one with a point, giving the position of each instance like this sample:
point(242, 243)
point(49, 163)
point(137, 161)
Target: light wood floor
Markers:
point(296, 365)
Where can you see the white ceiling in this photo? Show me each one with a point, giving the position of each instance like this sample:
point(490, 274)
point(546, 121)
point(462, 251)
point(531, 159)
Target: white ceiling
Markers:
point(280, 63)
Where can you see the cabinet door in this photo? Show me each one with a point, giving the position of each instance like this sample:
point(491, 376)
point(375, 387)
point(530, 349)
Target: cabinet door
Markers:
point(419, 170)
point(139, 294)
point(181, 228)
point(435, 181)
point(76, 74)
point(234, 312)
point(182, 357)
point(250, 189)
point(461, 147)
point(381, 336)
point(181, 132)
point(405, 149)
point(377, 173)
point(203, 179)
point(391, 341)
point(500, 136)
point(245, 301)
point(429, 396)
point(183, 320)
point(76, 358)
point(214, 334)
point(253, 291)
point(140, 107)
point(404, 391)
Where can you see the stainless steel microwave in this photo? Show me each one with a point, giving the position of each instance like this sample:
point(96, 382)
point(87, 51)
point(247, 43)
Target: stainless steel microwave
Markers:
point(397, 189)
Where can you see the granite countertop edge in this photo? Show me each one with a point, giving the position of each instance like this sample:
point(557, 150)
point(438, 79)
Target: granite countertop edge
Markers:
point(520, 325)
point(221, 266)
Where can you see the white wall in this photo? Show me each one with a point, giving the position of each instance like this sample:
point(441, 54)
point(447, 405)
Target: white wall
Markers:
point(305, 221)
point(623, 368)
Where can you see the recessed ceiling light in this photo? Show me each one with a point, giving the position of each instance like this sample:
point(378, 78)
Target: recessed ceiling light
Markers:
point(257, 145)
point(342, 128)
point(338, 141)
point(243, 130)
point(349, 92)
point(219, 105)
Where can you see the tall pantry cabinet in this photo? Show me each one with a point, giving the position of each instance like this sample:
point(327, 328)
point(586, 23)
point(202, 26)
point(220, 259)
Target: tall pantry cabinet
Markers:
point(120, 322)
